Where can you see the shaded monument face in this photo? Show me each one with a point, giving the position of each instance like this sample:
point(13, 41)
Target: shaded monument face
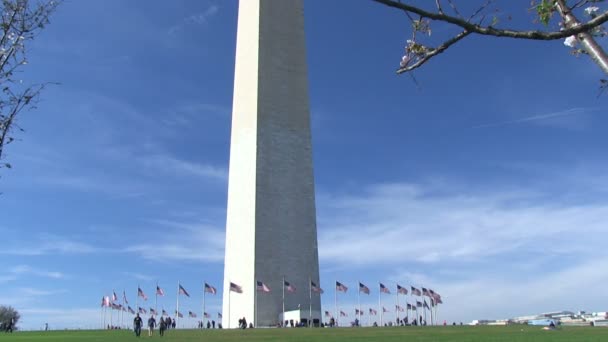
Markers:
point(271, 231)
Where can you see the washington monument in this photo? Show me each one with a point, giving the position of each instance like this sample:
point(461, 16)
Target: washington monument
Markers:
point(271, 231)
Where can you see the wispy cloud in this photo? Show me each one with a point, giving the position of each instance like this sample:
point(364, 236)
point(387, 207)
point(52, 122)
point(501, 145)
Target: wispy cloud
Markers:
point(179, 167)
point(397, 222)
point(542, 117)
point(188, 241)
point(195, 19)
point(139, 276)
point(24, 269)
point(49, 244)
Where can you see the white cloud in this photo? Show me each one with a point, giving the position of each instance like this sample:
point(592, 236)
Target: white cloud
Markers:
point(24, 269)
point(139, 276)
point(395, 222)
point(186, 241)
point(177, 167)
point(548, 119)
point(50, 244)
point(195, 19)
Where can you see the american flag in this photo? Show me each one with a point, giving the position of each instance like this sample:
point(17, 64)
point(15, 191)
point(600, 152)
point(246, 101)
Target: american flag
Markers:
point(401, 289)
point(315, 288)
point(152, 311)
point(124, 309)
point(142, 310)
point(438, 300)
point(105, 301)
point(398, 308)
point(165, 313)
point(425, 292)
point(384, 309)
point(159, 291)
point(409, 306)
point(373, 312)
point(418, 304)
point(141, 294)
point(116, 306)
point(343, 314)
point(219, 315)
point(236, 288)
point(206, 315)
point(415, 291)
point(262, 287)
point(131, 311)
point(210, 289)
point(384, 289)
point(327, 314)
point(357, 312)
point(124, 297)
point(114, 296)
point(363, 288)
point(191, 314)
point(179, 314)
point(183, 291)
point(340, 287)
point(289, 287)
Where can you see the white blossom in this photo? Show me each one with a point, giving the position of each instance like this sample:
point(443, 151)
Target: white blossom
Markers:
point(591, 9)
point(570, 41)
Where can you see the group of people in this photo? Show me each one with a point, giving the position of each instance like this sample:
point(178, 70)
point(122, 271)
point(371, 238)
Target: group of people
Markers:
point(210, 325)
point(163, 324)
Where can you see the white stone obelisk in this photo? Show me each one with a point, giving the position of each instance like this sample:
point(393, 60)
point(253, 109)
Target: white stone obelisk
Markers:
point(271, 230)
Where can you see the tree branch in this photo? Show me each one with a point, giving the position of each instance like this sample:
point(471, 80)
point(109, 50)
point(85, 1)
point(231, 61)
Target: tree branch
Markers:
point(491, 31)
point(441, 48)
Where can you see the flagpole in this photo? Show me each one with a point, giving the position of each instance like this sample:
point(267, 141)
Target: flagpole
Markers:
point(398, 308)
point(336, 301)
point(359, 302)
point(283, 287)
point(137, 300)
point(156, 298)
point(177, 308)
point(204, 293)
point(380, 308)
point(122, 320)
point(310, 301)
point(255, 304)
point(229, 291)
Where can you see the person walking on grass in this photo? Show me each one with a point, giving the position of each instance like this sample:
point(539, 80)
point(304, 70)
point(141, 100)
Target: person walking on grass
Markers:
point(137, 325)
point(151, 325)
point(162, 327)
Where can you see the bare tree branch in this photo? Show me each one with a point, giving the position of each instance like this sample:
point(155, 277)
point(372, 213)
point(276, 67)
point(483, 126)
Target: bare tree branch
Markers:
point(434, 52)
point(491, 31)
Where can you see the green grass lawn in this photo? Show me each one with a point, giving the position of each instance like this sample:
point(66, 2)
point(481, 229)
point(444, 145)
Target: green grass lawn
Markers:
point(450, 333)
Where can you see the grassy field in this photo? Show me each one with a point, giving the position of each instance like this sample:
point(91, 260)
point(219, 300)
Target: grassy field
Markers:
point(458, 333)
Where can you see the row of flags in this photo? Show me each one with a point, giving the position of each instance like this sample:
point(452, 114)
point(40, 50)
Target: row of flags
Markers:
point(112, 301)
point(374, 312)
point(434, 296)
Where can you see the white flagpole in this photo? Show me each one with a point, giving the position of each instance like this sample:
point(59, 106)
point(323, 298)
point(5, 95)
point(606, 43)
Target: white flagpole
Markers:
point(380, 308)
point(137, 301)
point(310, 301)
point(177, 308)
point(397, 309)
point(156, 298)
point(283, 287)
point(204, 293)
point(336, 301)
point(359, 302)
point(229, 291)
point(255, 304)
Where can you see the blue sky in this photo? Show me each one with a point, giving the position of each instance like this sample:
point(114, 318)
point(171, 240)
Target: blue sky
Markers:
point(485, 182)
